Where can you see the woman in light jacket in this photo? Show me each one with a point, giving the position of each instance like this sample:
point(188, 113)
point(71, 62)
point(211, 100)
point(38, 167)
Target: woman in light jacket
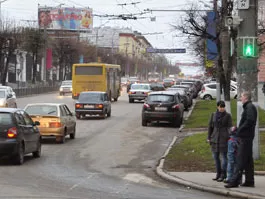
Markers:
point(218, 135)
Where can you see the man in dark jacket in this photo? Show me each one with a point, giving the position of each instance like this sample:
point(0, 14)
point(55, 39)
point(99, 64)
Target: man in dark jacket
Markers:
point(245, 134)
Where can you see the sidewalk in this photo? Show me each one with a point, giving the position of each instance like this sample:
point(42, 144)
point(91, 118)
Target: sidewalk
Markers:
point(203, 181)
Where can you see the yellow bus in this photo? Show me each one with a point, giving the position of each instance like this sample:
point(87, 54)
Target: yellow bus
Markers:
point(96, 77)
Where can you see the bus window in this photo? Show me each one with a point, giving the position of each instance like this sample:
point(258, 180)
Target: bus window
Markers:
point(91, 70)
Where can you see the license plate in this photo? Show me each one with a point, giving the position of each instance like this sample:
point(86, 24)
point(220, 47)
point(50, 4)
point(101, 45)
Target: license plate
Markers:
point(139, 93)
point(88, 106)
point(161, 108)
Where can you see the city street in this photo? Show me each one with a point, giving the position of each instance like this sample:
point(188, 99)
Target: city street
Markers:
point(112, 158)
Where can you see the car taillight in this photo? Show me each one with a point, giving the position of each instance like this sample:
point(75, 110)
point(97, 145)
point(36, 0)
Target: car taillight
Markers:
point(146, 106)
point(12, 132)
point(78, 105)
point(55, 124)
point(99, 106)
point(203, 89)
point(76, 94)
point(176, 106)
point(132, 92)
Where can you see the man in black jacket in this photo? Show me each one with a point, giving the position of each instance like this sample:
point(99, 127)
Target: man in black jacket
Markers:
point(245, 134)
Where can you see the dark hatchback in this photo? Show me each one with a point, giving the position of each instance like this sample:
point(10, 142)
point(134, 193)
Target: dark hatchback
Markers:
point(93, 103)
point(19, 135)
point(163, 106)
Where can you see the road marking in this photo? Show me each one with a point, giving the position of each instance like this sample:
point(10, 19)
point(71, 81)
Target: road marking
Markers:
point(82, 181)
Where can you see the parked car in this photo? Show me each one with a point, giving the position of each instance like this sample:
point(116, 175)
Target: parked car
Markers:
point(66, 87)
point(139, 92)
point(168, 82)
point(56, 120)
point(93, 103)
point(9, 90)
point(19, 135)
point(208, 91)
point(7, 99)
point(185, 99)
point(163, 106)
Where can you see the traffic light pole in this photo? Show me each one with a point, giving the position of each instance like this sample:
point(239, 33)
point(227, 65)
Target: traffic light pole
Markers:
point(247, 66)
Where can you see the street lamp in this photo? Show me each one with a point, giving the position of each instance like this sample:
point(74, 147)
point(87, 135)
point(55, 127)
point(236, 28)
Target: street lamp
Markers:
point(96, 54)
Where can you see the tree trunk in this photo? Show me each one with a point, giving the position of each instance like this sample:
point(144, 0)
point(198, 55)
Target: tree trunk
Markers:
point(34, 71)
point(4, 74)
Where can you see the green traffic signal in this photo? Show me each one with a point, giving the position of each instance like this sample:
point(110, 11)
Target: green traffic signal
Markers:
point(248, 50)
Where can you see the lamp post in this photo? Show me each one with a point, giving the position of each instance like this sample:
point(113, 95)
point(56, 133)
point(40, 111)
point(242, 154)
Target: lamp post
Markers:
point(96, 53)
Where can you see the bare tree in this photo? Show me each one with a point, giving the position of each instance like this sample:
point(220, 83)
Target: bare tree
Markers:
point(10, 39)
point(33, 43)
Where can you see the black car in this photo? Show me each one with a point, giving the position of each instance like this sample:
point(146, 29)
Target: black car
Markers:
point(157, 86)
point(19, 135)
point(163, 106)
point(93, 103)
point(185, 99)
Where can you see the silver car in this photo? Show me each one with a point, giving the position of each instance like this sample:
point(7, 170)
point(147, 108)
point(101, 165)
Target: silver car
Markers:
point(139, 92)
point(7, 99)
point(66, 87)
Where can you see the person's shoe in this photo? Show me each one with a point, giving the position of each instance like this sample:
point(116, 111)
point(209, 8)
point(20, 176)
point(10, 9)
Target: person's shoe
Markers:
point(247, 184)
point(231, 185)
point(226, 181)
point(216, 177)
point(221, 179)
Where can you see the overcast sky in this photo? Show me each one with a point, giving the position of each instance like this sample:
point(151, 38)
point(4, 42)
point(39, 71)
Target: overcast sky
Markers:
point(27, 10)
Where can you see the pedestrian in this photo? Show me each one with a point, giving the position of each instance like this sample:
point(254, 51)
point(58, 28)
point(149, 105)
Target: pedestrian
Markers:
point(218, 134)
point(231, 154)
point(245, 135)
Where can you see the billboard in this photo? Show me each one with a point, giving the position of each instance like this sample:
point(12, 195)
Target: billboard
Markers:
point(65, 18)
point(211, 47)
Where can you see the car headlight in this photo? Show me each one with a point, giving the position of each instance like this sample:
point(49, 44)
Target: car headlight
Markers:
point(2, 103)
point(61, 89)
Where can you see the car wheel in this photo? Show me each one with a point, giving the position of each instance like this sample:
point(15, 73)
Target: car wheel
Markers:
point(144, 122)
point(235, 97)
point(72, 135)
point(77, 116)
point(37, 154)
point(207, 97)
point(60, 139)
point(19, 157)
point(131, 100)
point(115, 99)
point(176, 123)
point(109, 113)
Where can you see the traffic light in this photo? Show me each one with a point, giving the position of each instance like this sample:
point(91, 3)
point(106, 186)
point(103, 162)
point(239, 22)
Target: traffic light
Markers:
point(248, 47)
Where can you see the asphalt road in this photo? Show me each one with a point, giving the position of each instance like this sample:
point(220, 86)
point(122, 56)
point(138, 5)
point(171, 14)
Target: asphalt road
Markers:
point(112, 158)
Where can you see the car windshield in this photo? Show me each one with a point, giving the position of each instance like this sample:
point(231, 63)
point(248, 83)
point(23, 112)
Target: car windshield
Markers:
point(68, 83)
point(160, 98)
point(2, 94)
point(140, 87)
point(42, 110)
point(180, 91)
point(5, 119)
point(90, 97)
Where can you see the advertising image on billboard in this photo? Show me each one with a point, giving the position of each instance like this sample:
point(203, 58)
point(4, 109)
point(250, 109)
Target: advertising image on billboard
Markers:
point(65, 18)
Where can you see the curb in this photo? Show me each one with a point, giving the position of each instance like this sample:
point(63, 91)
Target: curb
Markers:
point(163, 174)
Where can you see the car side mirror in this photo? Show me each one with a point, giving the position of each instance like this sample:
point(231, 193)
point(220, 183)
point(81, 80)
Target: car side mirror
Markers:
point(36, 123)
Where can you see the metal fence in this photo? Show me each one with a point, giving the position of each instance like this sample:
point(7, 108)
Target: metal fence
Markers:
point(21, 92)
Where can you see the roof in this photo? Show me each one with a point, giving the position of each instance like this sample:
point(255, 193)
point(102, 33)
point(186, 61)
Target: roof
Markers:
point(163, 93)
point(8, 110)
point(48, 104)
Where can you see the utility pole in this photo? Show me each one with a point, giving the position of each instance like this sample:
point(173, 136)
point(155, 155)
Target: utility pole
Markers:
point(247, 65)
point(225, 51)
